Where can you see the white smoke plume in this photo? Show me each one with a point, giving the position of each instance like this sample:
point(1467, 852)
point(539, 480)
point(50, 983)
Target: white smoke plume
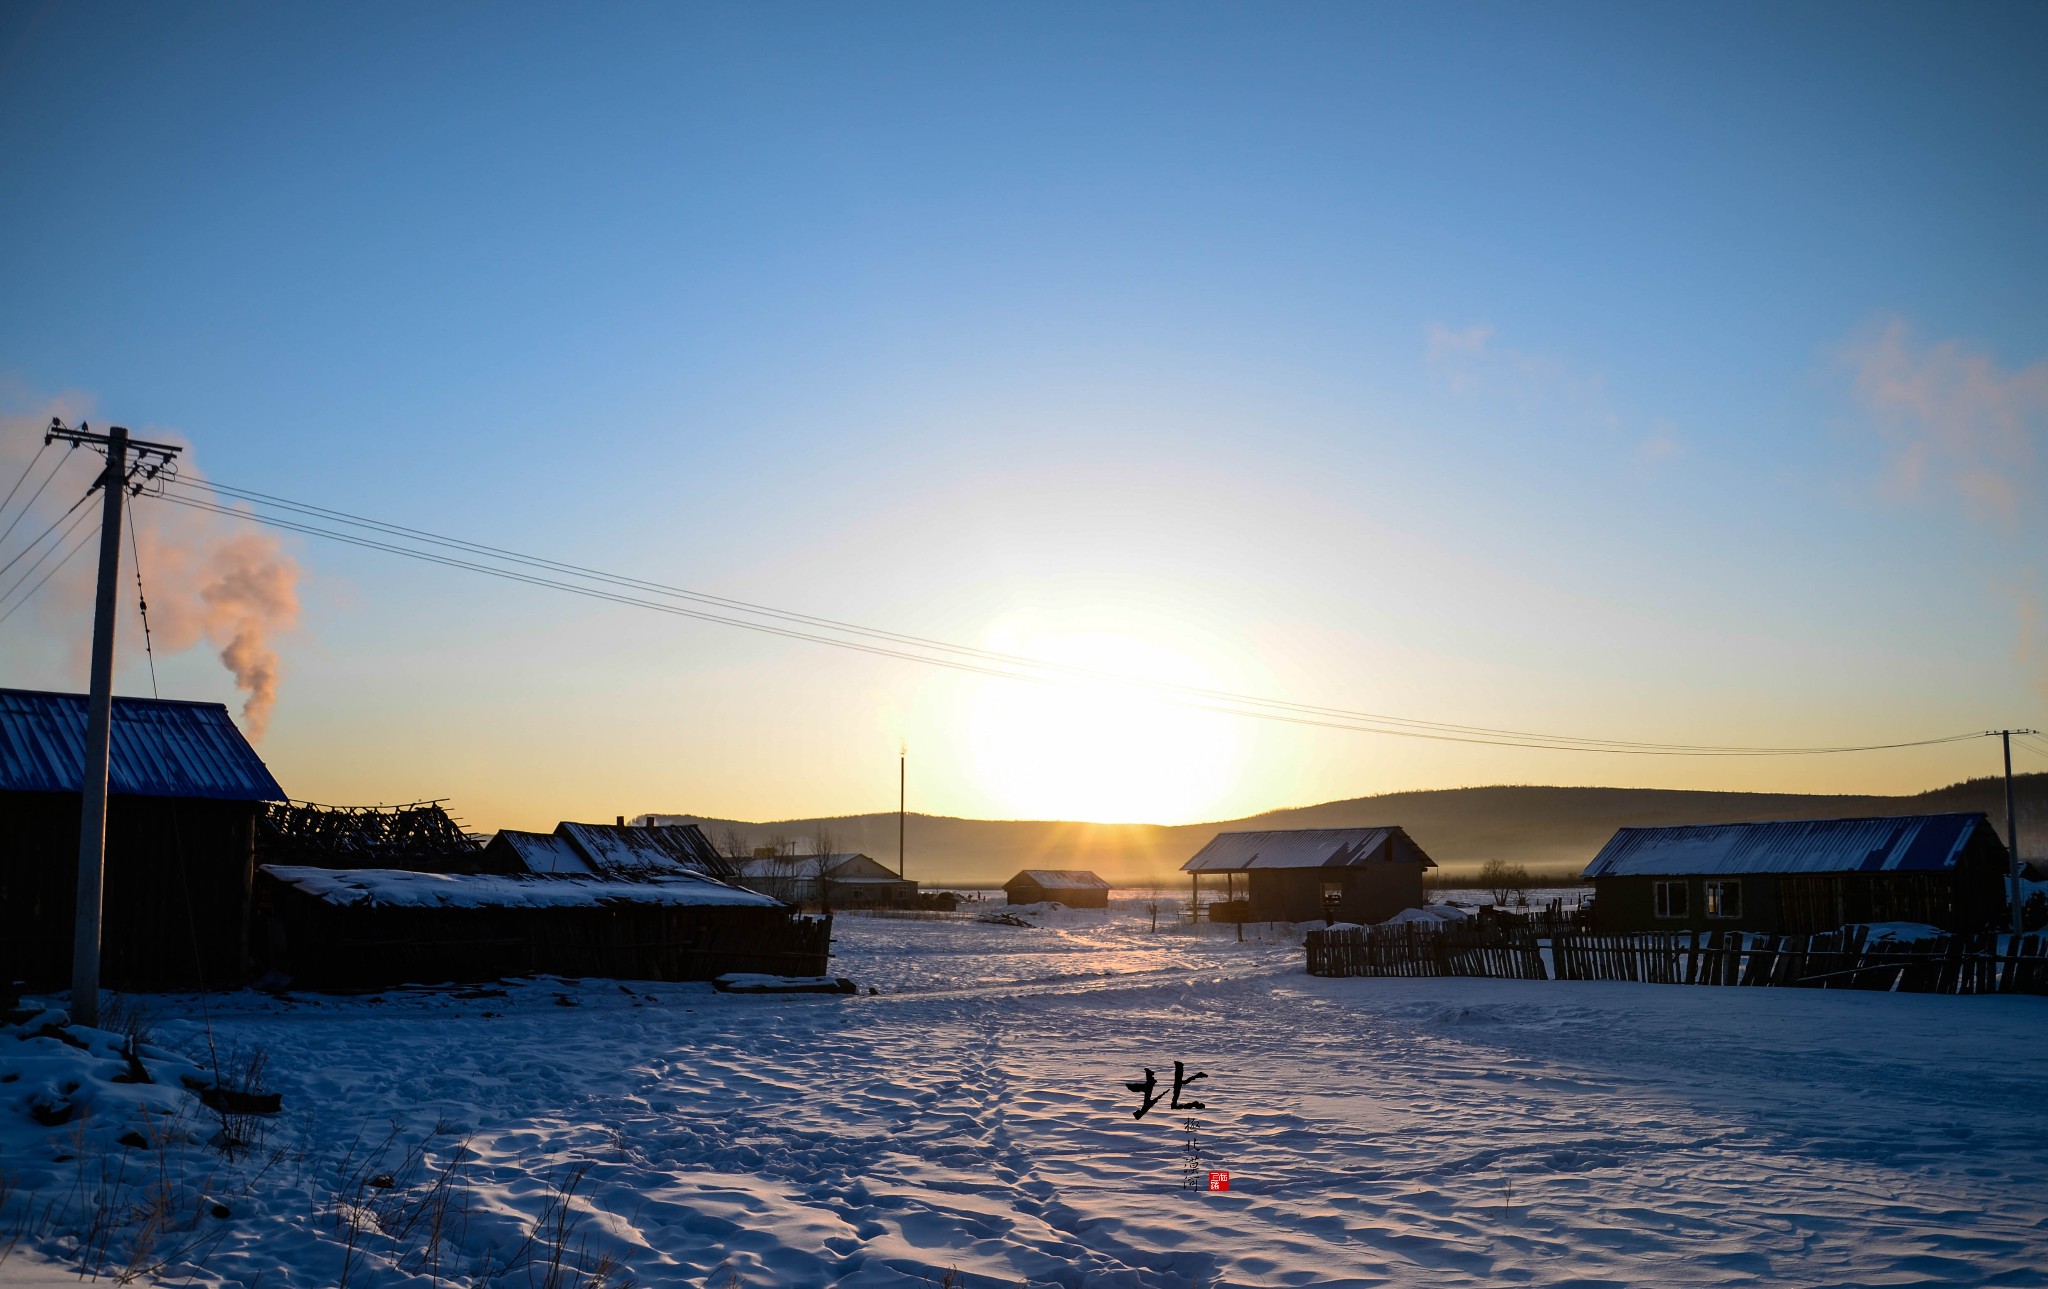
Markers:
point(237, 590)
point(1962, 428)
point(1955, 421)
point(208, 579)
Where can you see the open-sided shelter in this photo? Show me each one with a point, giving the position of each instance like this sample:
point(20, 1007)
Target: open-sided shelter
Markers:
point(1296, 875)
point(1798, 877)
point(420, 836)
point(1077, 888)
point(183, 792)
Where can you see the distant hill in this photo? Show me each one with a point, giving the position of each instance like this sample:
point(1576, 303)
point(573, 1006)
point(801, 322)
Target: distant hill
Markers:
point(1546, 828)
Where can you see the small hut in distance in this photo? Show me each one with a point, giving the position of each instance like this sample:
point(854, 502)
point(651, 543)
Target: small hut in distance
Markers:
point(1077, 888)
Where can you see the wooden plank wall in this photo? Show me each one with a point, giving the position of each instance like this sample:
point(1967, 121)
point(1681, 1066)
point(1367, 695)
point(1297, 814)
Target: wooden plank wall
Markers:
point(325, 946)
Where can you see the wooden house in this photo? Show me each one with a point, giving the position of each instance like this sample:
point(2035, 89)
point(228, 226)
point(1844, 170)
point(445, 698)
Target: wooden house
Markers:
point(842, 880)
point(184, 791)
point(1337, 874)
point(1077, 888)
point(1801, 877)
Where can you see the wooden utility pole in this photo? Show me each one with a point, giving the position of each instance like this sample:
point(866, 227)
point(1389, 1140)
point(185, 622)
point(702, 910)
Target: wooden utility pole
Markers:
point(902, 781)
point(2012, 838)
point(114, 483)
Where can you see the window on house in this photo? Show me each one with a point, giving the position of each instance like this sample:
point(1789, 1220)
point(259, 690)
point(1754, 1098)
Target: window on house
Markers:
point(1333, 894)
point(1724, 899)
point(1671, 899)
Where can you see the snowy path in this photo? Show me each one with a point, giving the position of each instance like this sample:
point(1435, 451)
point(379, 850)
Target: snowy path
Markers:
point(1377, 1131)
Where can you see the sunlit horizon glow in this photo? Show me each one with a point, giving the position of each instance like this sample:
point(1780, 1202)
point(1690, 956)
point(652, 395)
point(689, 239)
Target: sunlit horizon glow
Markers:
point(1095, 751)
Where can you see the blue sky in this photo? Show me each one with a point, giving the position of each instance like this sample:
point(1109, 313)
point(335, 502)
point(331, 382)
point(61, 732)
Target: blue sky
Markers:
point(1642, 371)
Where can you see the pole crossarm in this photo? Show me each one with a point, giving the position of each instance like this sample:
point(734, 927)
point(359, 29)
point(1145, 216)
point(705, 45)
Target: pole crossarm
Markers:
point(59, 433)
point(155, 464)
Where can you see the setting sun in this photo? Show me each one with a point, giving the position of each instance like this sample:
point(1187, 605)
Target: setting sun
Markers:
point(1100, 751)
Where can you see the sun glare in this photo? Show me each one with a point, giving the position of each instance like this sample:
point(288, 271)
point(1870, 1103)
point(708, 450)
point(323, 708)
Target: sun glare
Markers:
point(1101, 752)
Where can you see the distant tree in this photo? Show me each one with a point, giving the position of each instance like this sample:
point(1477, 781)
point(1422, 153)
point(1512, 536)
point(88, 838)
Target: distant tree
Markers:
point(1503, 881)
point(818, 864)
point(785, 868)
point(731, 844)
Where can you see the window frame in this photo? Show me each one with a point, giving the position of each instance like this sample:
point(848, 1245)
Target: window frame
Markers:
point(1660, 899)
point(1717, 902)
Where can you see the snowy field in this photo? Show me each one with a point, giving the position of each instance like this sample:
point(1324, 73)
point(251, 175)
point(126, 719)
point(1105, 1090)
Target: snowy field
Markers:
point(969, 1125)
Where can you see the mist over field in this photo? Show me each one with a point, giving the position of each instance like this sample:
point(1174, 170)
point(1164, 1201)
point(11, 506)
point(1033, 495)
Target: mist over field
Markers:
point(1550, 829)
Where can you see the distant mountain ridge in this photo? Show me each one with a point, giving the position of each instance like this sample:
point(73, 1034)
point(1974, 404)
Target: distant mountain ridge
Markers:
point(1543, 827)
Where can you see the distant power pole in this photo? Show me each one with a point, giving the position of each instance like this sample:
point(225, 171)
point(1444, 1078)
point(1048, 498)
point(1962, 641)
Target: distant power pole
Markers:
point(902, 780)
point(2012, 836)
point(114, 482)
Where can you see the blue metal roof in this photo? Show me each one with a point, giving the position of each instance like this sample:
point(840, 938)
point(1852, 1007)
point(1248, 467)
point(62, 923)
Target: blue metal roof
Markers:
point(1897, 844)
point(160, 749)
point(1235, 852)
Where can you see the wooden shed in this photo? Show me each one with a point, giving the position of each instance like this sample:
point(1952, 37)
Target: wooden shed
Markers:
point(370, 928)
point(1077, 888)
point(1297, 875)
point(184, 791)
point(638, 903)
point(1798, 877)
point(623, 852)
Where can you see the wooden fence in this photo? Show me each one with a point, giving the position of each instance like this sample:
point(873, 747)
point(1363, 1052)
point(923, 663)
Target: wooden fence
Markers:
point(1846, 959)
point(1410, 949)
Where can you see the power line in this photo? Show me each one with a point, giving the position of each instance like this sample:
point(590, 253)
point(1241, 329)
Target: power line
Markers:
point(977, 654)
point(79, 546)
point(52, 549)
point(55, 466)
point(964, 658)
point(8, 500)
point(142, 604)
point(990, 656)
point(46, 532)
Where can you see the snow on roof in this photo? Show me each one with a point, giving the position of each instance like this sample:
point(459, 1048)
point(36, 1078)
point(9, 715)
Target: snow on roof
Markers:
point(630, 851)
point(400, 888)
point(1435, 915)
point(160, 748)
point(1296, 848)
point(1060, 879)
point(1897, 844)
point(809, 866)
point(542, 852)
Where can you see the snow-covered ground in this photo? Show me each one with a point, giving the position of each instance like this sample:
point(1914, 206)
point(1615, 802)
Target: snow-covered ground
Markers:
point(971, 1121)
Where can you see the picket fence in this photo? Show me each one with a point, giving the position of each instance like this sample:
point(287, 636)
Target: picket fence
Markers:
point(1846, 959)
point(1412, 949)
